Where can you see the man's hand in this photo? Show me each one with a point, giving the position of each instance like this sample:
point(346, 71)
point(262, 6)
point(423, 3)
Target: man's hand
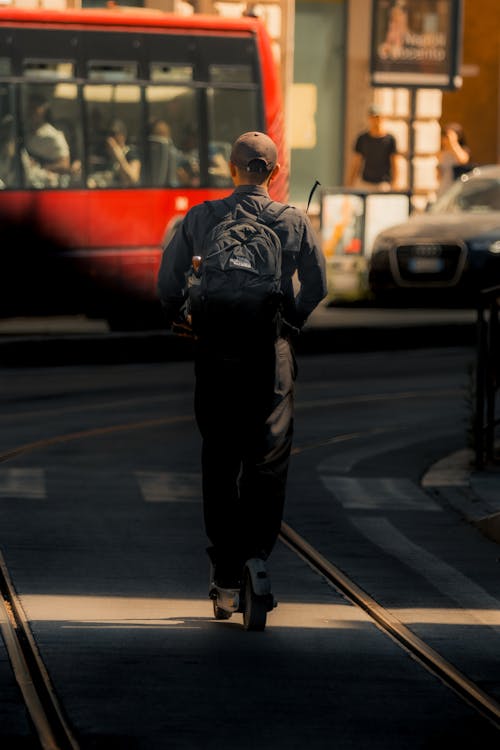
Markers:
point(182, 326)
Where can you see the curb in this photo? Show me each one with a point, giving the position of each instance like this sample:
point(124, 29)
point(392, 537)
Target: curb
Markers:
point(475, 495)
point(451, 471)
point(490, 527)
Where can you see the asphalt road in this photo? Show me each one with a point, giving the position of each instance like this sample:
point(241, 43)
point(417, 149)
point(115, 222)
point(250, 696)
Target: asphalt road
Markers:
point(101, 530)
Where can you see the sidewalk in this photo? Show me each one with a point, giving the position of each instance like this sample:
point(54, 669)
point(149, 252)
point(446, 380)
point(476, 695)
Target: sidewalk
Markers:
point(472, 493)
point(76, 340)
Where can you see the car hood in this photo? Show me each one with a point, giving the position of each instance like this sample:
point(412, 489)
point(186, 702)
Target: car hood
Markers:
point(443, 227)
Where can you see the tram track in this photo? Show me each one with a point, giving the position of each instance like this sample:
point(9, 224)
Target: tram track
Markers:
point(465, 688)
point(46, 714)
point(40, 699)
point(53, 729)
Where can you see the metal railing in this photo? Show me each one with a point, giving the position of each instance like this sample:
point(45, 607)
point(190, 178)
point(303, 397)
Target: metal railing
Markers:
point(487, 376)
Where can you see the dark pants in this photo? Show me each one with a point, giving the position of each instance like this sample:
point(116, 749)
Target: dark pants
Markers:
point(244, 409)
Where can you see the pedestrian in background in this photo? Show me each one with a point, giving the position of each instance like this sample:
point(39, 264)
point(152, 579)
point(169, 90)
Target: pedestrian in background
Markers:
point(375, 160)
point(453, 157)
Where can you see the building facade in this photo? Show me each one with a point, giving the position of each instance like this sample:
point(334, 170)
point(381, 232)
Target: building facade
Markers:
point(475, 104)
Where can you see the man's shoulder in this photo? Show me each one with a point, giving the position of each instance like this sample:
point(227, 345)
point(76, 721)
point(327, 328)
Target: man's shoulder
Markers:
point(49, 131)
point(265, 203)
point(212, 205)
point(202, 216)
point(202, 209)
point(292, 225)
point(363, 136)
point(46, 128)
point(248, 202)
point(291, 214)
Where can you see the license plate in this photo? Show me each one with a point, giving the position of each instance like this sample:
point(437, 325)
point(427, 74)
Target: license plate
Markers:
point(425, 265)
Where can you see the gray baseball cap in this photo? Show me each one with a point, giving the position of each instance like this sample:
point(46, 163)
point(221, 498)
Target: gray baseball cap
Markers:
point(255, 152)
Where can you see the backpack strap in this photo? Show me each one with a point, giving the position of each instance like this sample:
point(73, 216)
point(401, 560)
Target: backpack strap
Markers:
point(218, 212)
point(271, 213)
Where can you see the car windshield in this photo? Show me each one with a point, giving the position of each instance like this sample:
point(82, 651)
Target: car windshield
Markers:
point(478, 195)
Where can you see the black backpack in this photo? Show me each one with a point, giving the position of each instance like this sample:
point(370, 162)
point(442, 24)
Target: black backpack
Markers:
point(234, 288)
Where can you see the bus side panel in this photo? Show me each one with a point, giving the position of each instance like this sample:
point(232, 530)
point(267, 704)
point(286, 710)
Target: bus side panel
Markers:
point(55, 259)
point(63, 215)
point(126, 237)
point(37, 229)
point(96, 250)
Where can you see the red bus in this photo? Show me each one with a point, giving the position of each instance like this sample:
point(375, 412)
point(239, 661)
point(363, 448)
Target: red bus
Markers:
point(113, 123)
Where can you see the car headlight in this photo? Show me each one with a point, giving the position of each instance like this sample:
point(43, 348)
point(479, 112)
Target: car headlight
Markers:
point(486, 245)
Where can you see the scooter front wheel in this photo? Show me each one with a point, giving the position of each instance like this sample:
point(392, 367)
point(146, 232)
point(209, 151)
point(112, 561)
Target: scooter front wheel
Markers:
point(256, 607)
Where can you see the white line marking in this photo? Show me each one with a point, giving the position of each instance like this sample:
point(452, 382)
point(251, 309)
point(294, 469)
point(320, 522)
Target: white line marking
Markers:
point(169, 487)
point(343, 461)
point(23, 483)
point(478, 603)
point(378, 493)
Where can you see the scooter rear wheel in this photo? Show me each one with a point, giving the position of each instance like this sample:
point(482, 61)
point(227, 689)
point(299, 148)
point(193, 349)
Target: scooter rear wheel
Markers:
point(255, 612)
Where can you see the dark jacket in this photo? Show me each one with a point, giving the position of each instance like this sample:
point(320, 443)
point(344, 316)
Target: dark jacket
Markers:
point(301, 253)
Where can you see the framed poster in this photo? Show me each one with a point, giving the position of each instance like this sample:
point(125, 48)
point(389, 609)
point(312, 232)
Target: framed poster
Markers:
point(416, 43)
point(350, 221)
point(384, 210)
point(342, 223)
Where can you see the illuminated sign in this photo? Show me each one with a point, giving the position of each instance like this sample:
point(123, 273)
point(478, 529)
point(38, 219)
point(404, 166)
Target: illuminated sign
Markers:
point(416, 43)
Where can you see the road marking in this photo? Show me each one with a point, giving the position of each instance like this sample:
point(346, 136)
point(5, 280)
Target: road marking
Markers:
point(480, 606)
point(23, 482)
point(144, 424)
point(344, 461)
point(169, 486)
point(378, 493)
point(379, 397)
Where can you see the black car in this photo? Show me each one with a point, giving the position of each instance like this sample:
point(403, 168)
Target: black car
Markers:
point(448, 253)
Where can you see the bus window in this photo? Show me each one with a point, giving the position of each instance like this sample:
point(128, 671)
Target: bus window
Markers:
point(51, 124)
point(230, 73)
point(171, 92)
point(5, 66)
point(173, 146)
point(113, 116)
point(230, 113)
point(118, 72)
point(169, 73)
point(9, 172)
point(162, 154)
point(45, 70)
point(188, 158)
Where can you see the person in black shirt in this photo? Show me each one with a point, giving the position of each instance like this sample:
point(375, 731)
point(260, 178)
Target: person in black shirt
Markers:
point(374, 165)
point(244, 400)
